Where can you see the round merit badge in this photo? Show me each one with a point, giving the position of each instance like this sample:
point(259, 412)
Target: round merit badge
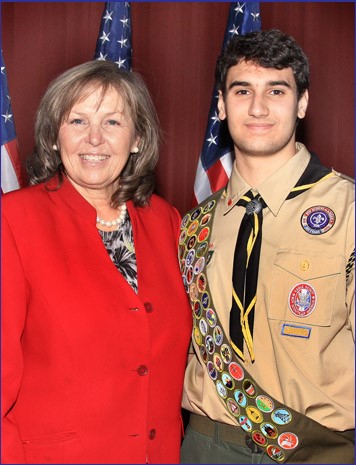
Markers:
point(275, 453)
point(302, 300)
point(264, 403)
point(288, 440)
point(318, 220)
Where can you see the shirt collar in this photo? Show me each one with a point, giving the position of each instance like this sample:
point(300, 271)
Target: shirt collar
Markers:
point(275, 189)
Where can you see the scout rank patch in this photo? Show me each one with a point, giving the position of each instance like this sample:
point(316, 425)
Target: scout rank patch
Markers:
point(302, 300)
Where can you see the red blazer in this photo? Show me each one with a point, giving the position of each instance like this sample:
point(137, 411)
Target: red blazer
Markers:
point(91, 371)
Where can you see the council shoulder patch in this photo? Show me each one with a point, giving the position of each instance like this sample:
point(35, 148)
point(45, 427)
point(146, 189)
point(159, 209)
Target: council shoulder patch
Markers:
point(317, 220)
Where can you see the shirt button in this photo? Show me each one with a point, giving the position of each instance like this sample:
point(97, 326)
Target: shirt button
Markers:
point(148, 307)
point(304, 265)
point(142, 370)
point(152, 434)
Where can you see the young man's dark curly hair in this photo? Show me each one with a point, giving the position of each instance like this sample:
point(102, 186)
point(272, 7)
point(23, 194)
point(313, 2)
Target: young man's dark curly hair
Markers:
point(269, 49)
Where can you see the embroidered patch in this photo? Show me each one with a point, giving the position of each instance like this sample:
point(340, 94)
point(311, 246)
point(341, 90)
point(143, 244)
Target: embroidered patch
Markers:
point(209, 206)
point(191, 242)
point(209, 344)
point(218, 335)
point(236, 371)
point(265, 403)
point(190, 258)
point(189, 274)
point(201, 249)
point(199, 265)
point(211, 317)
point(185, 221)
point(197, 308)
point(193, 292)
point(193, 227)
point(296, 331)
point(249, 388)
point(212, 371)
point(245, 423)
point(302, 300)
point(205, 220)
point(197, 336)
point(203, 353)
point(240, 398)
point(182, 236)
point(288, 440)
point(254, 414)
point(195, 214)
point(318, 220)
point(221, 389)
point(227, 381)
point(201, 282)
point(233, 407)
point(259, 439)
point(269, 430)
point(226, 354)
point(281, 416)
point(205, 300)
point(203, 326)
point(218, 362)
point(204, 233)
point(275, 453)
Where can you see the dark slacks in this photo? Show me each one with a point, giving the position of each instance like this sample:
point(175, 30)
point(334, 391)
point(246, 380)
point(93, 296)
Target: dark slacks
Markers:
point(214, 443)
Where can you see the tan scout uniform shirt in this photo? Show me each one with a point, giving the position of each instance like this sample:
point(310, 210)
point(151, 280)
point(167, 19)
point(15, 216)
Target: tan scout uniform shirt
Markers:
point(313, 374)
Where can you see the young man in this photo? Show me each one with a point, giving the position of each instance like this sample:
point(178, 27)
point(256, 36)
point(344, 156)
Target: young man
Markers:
point(268, 263)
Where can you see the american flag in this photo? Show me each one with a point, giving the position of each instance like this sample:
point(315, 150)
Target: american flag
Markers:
point(216, 158)
point(10, 160)
point(114, 39)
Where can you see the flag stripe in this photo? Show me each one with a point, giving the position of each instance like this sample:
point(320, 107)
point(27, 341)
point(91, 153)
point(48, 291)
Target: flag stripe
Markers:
point(202, 188)
point(10, 160)
point(9, 179)
point(218, 176)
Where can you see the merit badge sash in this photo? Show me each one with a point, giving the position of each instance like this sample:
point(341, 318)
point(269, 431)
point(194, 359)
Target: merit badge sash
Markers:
point(286, 435)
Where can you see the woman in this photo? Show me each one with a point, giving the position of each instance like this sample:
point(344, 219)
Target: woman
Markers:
point(96, 322)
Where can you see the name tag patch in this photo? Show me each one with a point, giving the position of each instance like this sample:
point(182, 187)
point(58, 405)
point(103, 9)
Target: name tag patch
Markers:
point(296, 331)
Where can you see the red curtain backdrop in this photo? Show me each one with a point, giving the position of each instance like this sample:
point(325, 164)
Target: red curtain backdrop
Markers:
point(175, 46)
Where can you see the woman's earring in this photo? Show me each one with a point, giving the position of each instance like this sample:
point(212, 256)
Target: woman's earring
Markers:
point(54, 147)
point(135, 150)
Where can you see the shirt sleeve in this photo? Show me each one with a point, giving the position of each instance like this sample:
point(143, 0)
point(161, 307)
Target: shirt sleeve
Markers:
point(13, 320)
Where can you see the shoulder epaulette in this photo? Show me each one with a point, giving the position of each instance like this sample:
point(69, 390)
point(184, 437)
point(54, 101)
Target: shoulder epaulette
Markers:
point(344, 176)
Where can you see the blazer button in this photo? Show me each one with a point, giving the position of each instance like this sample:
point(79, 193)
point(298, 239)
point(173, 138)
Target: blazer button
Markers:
point(142, 370)
point(152, 434)
point(148, 307)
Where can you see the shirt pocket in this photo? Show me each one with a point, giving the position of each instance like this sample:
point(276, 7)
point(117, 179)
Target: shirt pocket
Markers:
point(304, 287)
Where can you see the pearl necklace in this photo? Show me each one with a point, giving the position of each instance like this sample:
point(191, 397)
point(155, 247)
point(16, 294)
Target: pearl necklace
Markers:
point(117, 222)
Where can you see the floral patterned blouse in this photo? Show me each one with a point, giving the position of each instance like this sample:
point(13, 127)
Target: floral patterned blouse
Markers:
point(120, 246)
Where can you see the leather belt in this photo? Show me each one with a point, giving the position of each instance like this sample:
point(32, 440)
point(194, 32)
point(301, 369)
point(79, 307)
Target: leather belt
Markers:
point(229, 433)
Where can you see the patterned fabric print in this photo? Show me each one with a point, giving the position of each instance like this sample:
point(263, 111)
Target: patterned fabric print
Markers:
point(120, 246)
point(350, 266)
